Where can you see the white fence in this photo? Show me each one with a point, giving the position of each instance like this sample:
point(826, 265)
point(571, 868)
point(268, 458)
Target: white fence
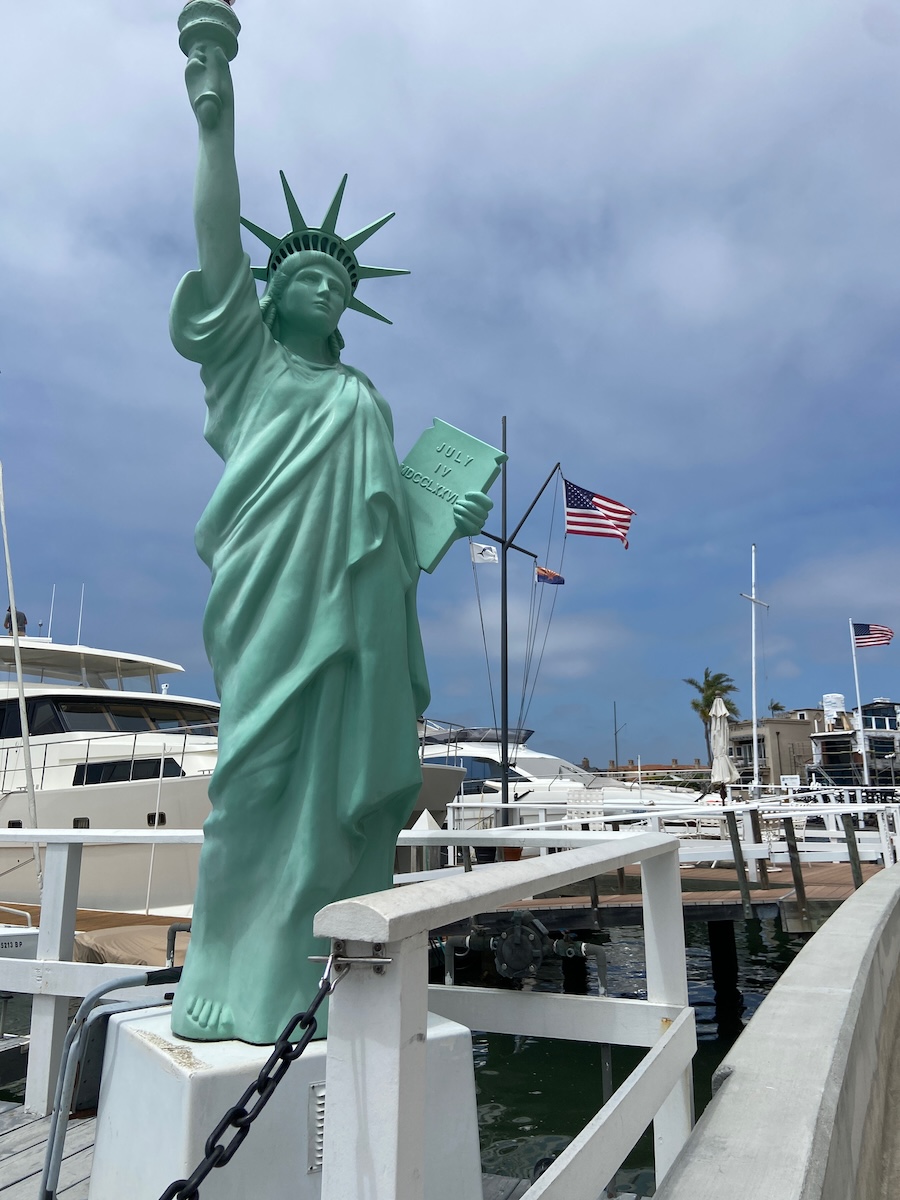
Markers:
point(52, 978)
point(377, 1021)
point(700, 828)
point(805, 1105)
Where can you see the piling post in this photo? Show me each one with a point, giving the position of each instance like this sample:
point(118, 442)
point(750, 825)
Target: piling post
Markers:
point(796, 870)
point(739, 865)
point(724, 964)
point(852, 849)
point(756, 829)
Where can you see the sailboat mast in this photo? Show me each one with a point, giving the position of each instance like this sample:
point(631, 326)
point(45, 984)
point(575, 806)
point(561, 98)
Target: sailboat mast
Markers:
point(20, 684)
point(754, 603)
point(504, 641)
point(753, 669)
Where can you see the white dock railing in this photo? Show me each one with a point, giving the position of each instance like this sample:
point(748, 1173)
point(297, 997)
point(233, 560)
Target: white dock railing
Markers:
point(52, 978)
point(377, 1022)
point(700, 828)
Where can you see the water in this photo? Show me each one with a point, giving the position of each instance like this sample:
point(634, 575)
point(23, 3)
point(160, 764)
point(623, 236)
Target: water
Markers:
point(535, 1095)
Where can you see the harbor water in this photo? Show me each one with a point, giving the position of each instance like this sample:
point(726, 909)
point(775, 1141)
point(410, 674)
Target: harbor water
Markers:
point(535, 1095)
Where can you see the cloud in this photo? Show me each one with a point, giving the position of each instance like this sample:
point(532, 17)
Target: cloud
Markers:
point(656, 237)
point(848, 583)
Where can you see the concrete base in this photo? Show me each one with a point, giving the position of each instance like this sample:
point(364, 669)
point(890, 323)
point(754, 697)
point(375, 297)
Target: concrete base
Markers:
point(161, 1096)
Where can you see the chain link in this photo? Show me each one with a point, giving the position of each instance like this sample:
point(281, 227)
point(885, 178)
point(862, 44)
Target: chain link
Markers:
point(242, 1115)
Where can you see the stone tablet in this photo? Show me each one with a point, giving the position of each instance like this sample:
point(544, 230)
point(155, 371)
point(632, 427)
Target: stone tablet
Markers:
point(442, 466)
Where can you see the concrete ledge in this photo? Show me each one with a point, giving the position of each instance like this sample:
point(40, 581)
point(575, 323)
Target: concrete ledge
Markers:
point(799, 1113)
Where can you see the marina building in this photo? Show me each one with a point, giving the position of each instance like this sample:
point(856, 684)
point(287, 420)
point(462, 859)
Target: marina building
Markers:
point(784, 744)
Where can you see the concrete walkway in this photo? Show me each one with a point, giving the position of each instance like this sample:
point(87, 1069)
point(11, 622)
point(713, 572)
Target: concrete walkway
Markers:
point(807, 1102)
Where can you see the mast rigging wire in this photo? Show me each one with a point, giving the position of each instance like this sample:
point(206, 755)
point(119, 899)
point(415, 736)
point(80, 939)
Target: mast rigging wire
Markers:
point(487, 660)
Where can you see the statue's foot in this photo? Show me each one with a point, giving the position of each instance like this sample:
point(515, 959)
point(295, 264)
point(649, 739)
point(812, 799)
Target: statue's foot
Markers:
point(204, 1020)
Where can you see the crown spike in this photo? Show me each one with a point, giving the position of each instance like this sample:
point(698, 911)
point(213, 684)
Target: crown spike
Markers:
point(260, 273)
point(298, 225)
point(380, 272)
point(358, 306)
point(330, 219)
point(268, 239)
point(357, 239)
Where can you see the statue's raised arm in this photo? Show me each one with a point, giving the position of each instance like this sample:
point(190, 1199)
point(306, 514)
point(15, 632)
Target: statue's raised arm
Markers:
point(209, 42)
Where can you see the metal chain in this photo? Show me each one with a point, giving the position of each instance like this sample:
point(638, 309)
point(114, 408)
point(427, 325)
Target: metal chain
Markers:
point(242, 1115)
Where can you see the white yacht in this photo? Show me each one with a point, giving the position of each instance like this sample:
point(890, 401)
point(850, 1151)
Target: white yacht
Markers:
point(537, 779)
point(113, 748)
point(110, 748)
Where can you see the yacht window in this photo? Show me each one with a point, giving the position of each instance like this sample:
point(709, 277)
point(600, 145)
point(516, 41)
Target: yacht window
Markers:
point(552, 768)
point(83, 715)
point(130, 718)
point(199, 721)
point(43, 719)
point(10, 724)
point(479, 769)
point(124, 770)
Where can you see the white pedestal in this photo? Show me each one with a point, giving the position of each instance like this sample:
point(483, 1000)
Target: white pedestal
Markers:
point(161, 1096)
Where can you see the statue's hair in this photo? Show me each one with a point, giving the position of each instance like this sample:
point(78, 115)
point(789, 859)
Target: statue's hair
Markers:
point(268, 304)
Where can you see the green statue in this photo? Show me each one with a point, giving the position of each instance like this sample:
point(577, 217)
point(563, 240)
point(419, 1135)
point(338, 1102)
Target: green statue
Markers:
point(311, 625)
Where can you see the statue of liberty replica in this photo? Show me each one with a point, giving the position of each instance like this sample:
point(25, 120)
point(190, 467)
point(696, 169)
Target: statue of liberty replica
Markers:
point(311, 625)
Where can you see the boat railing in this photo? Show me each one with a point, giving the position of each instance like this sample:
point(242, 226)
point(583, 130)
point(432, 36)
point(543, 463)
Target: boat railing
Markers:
point(52, 978)
point(377, 1021)
point(79, 754)
point(876, 826)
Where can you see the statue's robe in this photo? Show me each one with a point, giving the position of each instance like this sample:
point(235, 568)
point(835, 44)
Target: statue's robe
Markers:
point(312, 633)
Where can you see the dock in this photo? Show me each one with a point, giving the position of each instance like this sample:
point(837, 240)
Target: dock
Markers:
point(709, 893)
point(23, 1144)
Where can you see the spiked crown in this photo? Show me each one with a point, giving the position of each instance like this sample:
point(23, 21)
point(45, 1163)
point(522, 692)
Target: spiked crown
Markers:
point(323, 239)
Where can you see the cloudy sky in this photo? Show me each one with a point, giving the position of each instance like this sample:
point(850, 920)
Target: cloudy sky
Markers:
point(661, 238)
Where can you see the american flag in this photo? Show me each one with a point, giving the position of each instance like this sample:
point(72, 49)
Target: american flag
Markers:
point(596, 516)
point(871, 635)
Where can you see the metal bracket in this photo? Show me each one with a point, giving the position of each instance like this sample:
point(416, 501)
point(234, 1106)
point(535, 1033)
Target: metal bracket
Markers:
point(342, 962)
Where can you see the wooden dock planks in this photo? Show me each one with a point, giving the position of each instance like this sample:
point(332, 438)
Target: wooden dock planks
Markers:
point(23, 1146)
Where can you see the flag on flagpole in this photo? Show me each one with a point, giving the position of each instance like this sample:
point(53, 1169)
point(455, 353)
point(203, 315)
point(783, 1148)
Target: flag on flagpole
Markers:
point(483, 554)
point(545, 575)
point(596, 516)
point(871, 635)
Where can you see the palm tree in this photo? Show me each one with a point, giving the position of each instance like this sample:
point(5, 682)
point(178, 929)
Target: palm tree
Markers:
point(710, 686)
point(775, 707)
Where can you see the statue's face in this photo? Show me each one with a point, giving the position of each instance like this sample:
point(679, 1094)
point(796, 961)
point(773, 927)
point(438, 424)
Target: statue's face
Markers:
point(313, 300)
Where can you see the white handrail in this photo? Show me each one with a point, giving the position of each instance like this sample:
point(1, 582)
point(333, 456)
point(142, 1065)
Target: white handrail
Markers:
point(376, 1036)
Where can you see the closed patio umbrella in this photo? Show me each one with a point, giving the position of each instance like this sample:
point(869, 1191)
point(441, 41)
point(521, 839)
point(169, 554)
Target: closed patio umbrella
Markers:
point(723, 769)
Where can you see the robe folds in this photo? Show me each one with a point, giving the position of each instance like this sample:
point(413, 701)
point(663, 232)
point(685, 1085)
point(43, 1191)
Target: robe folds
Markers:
point(312, 634)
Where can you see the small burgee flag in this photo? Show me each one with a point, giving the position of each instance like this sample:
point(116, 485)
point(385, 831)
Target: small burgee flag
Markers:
point(871, 635)
point(596, 516)
point(545, 575)
point(483, 554)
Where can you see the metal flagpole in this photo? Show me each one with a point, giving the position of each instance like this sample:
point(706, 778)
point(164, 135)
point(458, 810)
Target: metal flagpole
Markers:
point(860, 736)
point(755, 787)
